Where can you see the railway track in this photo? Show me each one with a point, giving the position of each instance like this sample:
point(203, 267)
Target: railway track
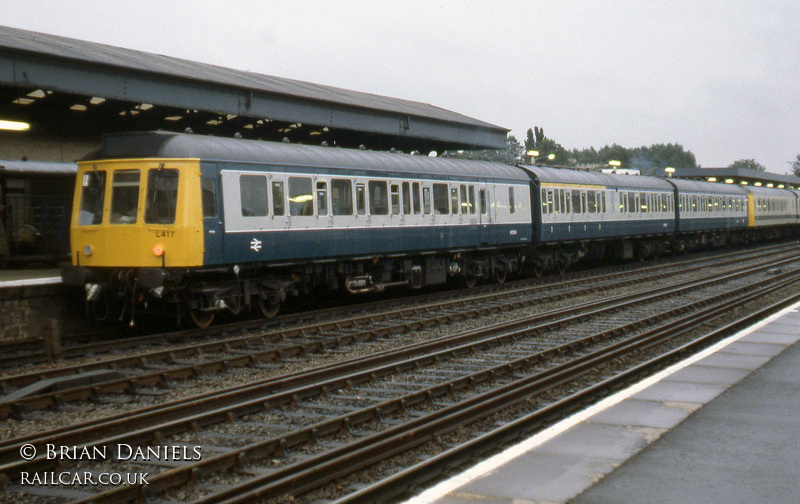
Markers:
point(149, 373)
point(26, 354)
point(293, 434)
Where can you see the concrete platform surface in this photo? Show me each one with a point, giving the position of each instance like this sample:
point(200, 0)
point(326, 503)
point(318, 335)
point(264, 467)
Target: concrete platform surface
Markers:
point(24, 278)
point(722, 426)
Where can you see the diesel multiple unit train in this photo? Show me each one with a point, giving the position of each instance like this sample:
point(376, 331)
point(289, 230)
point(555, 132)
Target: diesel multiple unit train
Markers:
point(194, 225)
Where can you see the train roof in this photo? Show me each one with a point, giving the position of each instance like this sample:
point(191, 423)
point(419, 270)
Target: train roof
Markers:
point(180, 145)
point(770, 191)
point(708, 187)
point(581, 177)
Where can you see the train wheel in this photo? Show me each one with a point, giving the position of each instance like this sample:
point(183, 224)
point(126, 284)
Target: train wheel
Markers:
point(561, 266)
point(201, 319)
point(470, 281)
point(538, 271)
point(268, 310)
point(500, 275)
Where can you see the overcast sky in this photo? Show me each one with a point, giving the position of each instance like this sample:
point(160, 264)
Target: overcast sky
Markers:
point(720, 78)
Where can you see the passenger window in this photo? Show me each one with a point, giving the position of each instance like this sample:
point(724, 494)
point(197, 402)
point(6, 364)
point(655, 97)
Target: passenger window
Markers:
point(278, 206)
point(253, 195)
point(512, 207)
point(592, 202)
point(406, 198)
point(426, 200)
point(378, 198)
point(464, 203)
point(472, 207)
point(301, 198)
point(341, 197)
point(454, 200)
point(395, 199)
point(322, 198)
point(549, 200)
point(415, 192)
point(576, 202)
point(208, 189)
point(124, 197)
point(556, 202)
point(544, 201)
point(440, 203)
point(92, 197)
point(482, 197)
point(361, 199)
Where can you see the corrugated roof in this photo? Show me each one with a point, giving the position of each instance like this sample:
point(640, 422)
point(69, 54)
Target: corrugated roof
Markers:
point(37, 168)
point(164, 144)
point(106, 55)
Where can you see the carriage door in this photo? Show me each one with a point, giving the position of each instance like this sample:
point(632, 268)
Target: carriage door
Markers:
point(213, 228)
point(484, 215)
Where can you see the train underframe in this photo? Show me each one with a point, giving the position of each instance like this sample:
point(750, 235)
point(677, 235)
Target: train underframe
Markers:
point(558, 257)
point(198, 295)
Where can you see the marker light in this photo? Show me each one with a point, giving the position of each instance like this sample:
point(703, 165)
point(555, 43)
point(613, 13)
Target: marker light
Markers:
point(158, 250)
point(87, 250)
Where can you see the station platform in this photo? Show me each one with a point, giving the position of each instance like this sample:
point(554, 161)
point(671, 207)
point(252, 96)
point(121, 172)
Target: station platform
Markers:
point(29, 277)
point(721, 426)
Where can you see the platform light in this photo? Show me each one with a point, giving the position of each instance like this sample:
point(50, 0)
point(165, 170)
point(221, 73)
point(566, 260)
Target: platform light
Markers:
point(712, 179)
point(37, 94)
point(173, 118)
point(23, 101)
point(78, 107)
point(729, 181)
point(757, 184)
point(770, 185)
point(14, 125)
point(96, 100)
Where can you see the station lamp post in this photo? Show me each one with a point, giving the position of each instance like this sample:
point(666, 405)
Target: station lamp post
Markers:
point(670, 170)
point(535, 154)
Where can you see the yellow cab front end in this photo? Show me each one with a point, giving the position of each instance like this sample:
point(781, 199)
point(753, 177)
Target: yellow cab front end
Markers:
point(136, 213)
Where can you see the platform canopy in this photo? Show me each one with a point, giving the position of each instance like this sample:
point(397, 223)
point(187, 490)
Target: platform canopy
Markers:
point(67, 85)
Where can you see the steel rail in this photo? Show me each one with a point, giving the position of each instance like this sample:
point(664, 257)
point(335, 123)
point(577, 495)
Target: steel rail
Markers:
point(21, 353)
point(162, 377)
point(176, 409)
point(568, 345)
point(310, 474)
point(449, 460)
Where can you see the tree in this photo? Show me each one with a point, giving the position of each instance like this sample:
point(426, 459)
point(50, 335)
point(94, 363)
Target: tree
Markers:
point(795, 166)
point(750, 164)
point(615, 153)
point(511, 154)
point(536, 140)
